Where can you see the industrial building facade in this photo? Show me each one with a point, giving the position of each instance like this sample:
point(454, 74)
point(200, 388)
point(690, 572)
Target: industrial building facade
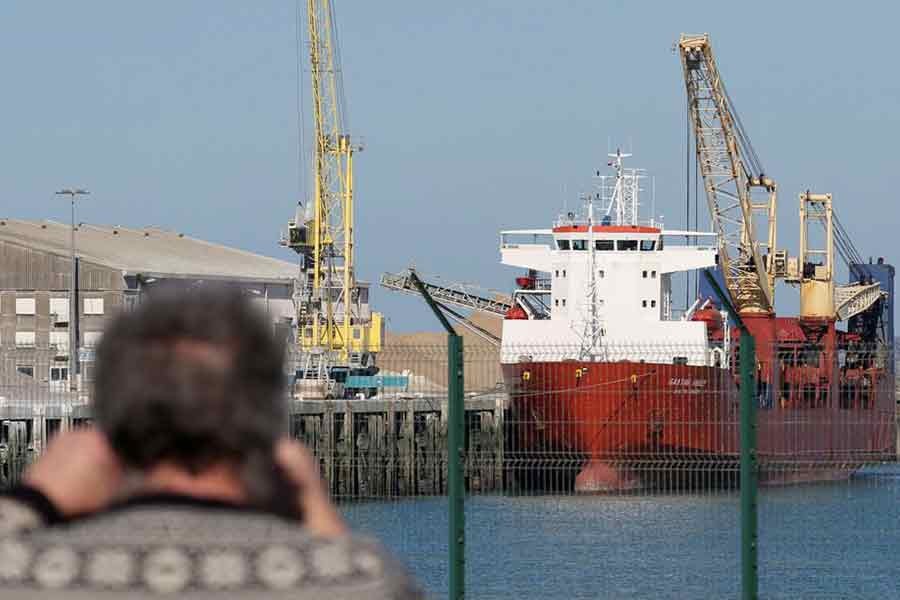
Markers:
point(115, 266)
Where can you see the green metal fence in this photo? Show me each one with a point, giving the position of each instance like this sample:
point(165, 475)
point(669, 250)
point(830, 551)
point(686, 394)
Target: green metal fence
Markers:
point(618, 478)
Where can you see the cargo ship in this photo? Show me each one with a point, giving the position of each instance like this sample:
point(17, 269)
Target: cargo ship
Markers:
point(611, 384)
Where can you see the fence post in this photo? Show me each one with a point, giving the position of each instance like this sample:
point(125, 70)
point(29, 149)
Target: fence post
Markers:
point(749, 564)
point(456, 440)
point(455, 453)
point(749, 495)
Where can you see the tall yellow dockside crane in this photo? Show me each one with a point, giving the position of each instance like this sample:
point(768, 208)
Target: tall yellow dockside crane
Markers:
point(335, 329)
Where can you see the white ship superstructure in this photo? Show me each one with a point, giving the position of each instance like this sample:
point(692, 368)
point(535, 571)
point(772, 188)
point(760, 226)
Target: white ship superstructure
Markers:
point(600, 285)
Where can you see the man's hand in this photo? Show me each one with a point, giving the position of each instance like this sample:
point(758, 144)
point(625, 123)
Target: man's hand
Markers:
point(78, 472)
point(321, 516)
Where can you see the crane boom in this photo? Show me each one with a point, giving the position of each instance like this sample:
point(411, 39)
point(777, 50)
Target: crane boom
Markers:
point(333, 317)
point(731, 172)
point(332, 260)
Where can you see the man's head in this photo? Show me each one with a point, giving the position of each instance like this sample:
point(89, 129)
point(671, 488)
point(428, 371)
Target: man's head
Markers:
point(191, 378)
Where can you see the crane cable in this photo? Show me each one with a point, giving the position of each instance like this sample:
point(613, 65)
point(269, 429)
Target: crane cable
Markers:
point(749, 151)
point(338, 72)
point(848, 250)
point(301, 117)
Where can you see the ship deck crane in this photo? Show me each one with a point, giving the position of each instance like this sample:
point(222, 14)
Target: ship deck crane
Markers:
point(334, 324)
point(733, 178)
point(737, 188)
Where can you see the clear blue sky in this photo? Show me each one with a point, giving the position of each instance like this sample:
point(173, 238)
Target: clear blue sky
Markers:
point(477, 116)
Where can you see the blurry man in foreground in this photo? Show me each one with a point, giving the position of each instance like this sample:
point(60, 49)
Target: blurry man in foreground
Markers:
point(188, 485)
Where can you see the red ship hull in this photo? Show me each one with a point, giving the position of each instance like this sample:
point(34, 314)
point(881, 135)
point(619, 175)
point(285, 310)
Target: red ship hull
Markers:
point(628, 426)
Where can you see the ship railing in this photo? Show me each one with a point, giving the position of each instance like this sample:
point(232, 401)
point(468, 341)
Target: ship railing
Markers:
point(577, 220)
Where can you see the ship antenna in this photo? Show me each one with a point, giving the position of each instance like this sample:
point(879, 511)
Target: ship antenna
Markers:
point(592, 332)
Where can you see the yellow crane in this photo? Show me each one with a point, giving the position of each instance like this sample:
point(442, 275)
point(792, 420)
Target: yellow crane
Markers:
point(334, 321)
point(737, 189)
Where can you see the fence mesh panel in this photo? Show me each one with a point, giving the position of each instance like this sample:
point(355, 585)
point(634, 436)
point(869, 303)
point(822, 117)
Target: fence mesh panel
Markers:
point(603, 476)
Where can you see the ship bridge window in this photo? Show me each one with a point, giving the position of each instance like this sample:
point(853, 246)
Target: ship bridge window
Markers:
point(604, 245)
point(648, 245)
point(562, 244)
point(579, 244)
point(629, 245)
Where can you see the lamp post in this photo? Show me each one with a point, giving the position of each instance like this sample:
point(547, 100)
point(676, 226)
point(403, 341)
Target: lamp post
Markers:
point(73, 307)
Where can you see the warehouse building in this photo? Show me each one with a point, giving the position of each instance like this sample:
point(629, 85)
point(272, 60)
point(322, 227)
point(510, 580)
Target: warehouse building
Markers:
point(115, 266)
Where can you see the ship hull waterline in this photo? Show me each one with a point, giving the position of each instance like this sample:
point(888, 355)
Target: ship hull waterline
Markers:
point(637, 426)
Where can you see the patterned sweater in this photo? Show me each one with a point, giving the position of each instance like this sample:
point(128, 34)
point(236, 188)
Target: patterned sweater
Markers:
point(182, 547)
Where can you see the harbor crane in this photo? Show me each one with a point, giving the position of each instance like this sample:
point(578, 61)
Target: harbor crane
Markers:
point(334, 326)
point(737, 188)
point(742, 199)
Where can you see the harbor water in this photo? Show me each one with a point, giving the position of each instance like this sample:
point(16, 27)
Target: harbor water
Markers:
point(837, 540)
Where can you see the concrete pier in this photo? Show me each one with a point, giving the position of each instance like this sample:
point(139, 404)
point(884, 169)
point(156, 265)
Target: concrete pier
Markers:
point(390, 446)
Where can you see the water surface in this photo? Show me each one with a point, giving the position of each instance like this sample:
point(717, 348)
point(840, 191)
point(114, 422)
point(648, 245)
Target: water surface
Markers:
point(839, 540)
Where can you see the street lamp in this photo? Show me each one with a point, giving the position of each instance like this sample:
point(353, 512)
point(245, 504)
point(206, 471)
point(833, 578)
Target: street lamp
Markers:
point(73, 307)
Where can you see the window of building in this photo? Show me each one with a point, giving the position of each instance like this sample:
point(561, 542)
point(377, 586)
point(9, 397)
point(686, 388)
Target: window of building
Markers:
point(629, 245)
point(24, 306)
point(653, 274)
point(562, 244)
point(25, 339)
point(564, 301)
point(60, 340)
point(579, 244)
point(604, 245)
point(556, 302)
point(53, 427)
point(601, 302)
point(645, 274)
point(653, 303)
point(556, 273)
point(601, 273)
point(644, 303)
point(59, 374)
point(91, 338)
point(59, 310)
point(564, 272)
point(25, 370)
point(648, 245)
point(357, 333)
point(93, 306)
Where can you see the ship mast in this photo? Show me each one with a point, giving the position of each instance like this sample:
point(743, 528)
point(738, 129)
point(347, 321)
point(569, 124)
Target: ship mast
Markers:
point(593, 331)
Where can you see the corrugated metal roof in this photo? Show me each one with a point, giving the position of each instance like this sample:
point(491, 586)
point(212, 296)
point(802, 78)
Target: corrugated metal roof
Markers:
point(150, 251)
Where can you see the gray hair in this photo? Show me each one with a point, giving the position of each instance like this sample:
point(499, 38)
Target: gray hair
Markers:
point(195, 377)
